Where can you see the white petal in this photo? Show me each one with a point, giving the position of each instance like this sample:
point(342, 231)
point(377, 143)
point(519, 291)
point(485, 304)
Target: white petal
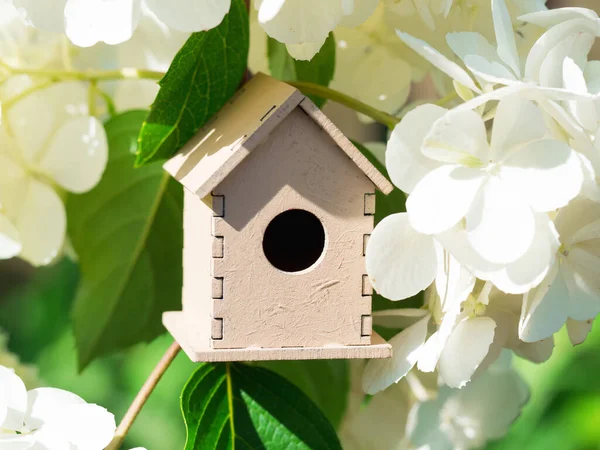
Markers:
point(304, 51)
point(537, 352)
point(424, 424)
point(88, 22)
point(529, 270)
point(432, 350)
point(16, 441)
point(404, 160)
point(549, 40)
point(450, 68)
point(46, 15)
point(489, 71)
point(517, 122)
point(41, 224)
point(578, 330)
point(453, 282)
point(499, 225)
point(547, 173)
point(575, 46)
point(398, 318)
point(43, 404)
point(443, 197)
point(77, 155)
point(400, 262)
point(584, 110)
point(406, 347)
point(192, 15)
point(299, 22)
point(552, 17)
point(84, 426)
point(582, 277)
point(13, 400)
point(544, 308)
point(467, 43)
point(34, 119)
point(465, 349)
point(505, 36)
point(458, 137)
point(361, 11)
point(573, 220)
point(10, 244)
point(268, 9)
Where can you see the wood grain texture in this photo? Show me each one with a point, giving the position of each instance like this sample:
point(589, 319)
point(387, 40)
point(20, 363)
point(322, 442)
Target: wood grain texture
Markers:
point(263, 306)
point(181, 328)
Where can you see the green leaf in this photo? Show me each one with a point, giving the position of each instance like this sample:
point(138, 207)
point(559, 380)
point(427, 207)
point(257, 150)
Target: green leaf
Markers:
point(318, 70)
point(34, 315)
point(128, 233)
point(325, 382)
point(236, 406)
point(203, 76)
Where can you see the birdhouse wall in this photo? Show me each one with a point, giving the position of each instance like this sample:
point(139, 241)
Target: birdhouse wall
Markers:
point(299, 166)
point(197, 279)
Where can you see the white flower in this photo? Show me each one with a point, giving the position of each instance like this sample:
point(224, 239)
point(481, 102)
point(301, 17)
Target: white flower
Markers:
point(370, 64)
point(497, 189)
point(49, 418)
point(571, 290)
point(303, 25)
point(468, 418)
point(47, 143)
point(87, 22)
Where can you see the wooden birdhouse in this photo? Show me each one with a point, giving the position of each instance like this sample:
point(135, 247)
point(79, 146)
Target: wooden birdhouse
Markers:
point(278, 209)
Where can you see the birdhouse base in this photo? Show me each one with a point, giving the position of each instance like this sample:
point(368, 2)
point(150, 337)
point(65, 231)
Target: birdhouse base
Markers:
point(183, 330)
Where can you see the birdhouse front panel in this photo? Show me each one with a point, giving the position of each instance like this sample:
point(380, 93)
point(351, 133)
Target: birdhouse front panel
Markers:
point(297, 211)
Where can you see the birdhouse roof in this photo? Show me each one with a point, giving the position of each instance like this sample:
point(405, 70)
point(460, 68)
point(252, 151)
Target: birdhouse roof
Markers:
point(245, 122)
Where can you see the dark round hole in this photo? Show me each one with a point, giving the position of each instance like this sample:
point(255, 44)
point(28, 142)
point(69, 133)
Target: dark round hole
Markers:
point(294, 240)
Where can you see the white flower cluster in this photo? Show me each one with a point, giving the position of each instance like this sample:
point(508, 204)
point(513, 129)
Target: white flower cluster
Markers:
point(48, 418)
point(503, 214)
point(421, 412)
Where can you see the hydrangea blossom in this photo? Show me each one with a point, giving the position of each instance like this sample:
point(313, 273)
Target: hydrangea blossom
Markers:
point(87, 22)
point(49, 418)
point(48, 145)
point(303, 25)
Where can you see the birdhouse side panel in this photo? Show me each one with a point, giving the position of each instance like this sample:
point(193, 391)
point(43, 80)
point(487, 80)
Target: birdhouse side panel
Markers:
point(297, 214)
point(197, 278)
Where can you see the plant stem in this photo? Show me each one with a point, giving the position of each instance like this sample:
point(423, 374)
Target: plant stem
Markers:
point(336, 96)
point(143, 395)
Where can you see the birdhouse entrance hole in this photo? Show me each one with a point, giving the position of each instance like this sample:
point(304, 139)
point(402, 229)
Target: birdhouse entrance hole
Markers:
point(294, 240)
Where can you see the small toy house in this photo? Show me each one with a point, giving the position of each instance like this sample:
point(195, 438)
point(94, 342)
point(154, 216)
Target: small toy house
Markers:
point(278, 209)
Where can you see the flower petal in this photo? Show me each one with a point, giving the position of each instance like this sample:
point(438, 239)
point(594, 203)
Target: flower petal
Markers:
point(584, 110)
point(467, 43)
point(552, 17)
point(43, 404)
point(458, 137)
point(361, 11)
point(10, 244)
point(192, 15)
point(88, 22)
point(404, 160)
point(465, 349)
point(438, 60)
point(443, 197)
point(268, 9)
point(505, 36)
point(536, 352)
point(304, 51)
point(499, 225)
point(453, 282)
point(578, 330)
point(398, 318)
point(547, 173)
point(16, 441)
point(489, 71)
point(582, 277)
point(13, 400)
point(41, 224)
point(544, 308)
point(47, 15)
point(517, 122)
point(77, 155)
point(400, 262)
point(83, 425)
point(406, 346)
